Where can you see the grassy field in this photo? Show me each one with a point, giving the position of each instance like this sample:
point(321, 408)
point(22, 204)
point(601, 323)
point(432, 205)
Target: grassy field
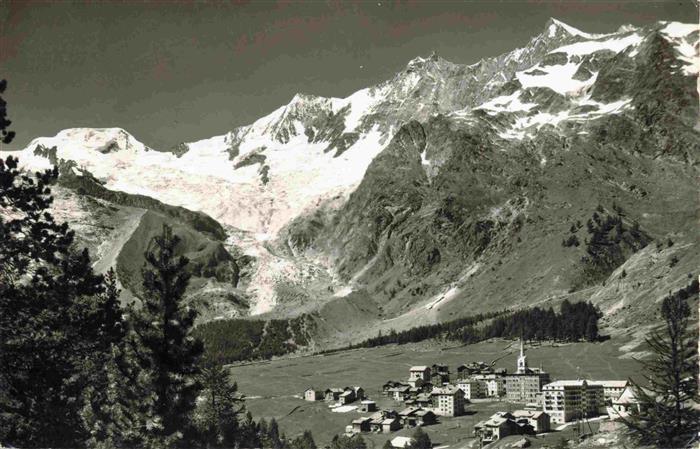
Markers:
point(274, 388)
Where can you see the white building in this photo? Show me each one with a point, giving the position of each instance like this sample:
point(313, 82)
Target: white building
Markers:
point(568, 400)
point(448, 401)
point(472, 388)
point(494, 385)
point(612, 389)
point(419, 373)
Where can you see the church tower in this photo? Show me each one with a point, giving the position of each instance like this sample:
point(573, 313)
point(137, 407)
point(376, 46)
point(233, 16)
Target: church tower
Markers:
point(522, 360)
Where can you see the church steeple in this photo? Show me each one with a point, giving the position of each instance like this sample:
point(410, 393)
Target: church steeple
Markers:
point(522, 360)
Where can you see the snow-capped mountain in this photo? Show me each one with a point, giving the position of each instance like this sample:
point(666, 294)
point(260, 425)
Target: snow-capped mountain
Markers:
point(409, 191)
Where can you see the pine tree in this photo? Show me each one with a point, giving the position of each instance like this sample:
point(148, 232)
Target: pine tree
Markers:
point(666, 416)
point(218, 412)
point(421, 440)
point(54, 318)
point(305, 441)
point(117, 401)
point(170, 353)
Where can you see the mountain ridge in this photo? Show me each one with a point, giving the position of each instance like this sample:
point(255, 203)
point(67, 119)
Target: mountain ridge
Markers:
point(411, 197)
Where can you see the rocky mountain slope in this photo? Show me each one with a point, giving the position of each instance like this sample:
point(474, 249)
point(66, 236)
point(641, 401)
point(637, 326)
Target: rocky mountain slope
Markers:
point(537, 175)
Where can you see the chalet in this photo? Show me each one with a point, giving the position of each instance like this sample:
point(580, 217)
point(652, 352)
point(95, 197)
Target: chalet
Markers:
point(538, 420)
point(414, 416)
point(313, 395)
point(359, 393)
point(498, 426)
point(440, 374)
point(360, 425)
point(367, 406)
point(448, 401)
point(424, 400)
point(391, 384)
point(379, 421)
point(390, 425)
point(347, 396)
point(333, 394)
point(398, 393)
point(418, 373)
point(625, 404)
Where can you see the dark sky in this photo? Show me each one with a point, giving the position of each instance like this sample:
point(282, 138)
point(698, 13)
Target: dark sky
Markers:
point(179, 71)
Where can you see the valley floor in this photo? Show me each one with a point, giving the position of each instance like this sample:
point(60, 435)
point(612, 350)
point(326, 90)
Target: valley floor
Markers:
point(274, 389)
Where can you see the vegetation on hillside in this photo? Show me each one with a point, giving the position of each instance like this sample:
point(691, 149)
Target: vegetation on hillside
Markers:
point(667, 415)
point(574, 322)
point(227, 341)
point(610, 241)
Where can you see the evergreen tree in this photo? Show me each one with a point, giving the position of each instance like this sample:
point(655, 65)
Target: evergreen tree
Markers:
point(666, 416)
point(218, 412)
point(55, 320)
point(170, 353)
point(117, 400)
point(421, 440)
point(305, 441)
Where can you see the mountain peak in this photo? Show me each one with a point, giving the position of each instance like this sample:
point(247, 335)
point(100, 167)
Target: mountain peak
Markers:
point(555, 27)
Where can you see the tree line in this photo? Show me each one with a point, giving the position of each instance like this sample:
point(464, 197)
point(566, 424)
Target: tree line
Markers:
point(575, 322)
point(232, 340)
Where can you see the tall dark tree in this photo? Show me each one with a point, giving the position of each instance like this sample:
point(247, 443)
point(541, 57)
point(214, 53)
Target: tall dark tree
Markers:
point(218, 412)
point(7, 135)
point(421, 440)
point(667, 416)
point(55, 320)
point(164, 324)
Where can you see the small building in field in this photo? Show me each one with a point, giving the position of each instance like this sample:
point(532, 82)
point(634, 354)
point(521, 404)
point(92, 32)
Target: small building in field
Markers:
point(538, 420)
point(414, 416)
point(332, 394)
point(448, 401)
point(367, 406)
point(311, 395)
point(359, 393)
point(347, 396)
point(390, 425)
point(378, 420)
point(360, 425)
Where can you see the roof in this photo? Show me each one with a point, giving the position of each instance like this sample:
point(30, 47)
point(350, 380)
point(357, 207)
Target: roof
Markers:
point(389, 421)
point(367, 401)
point(527, 414)
point(361, 420)
point(401, 441)
point(418, 368)
point(408, 411)
point(609, 383)
point(450, 390)
point(423, 412)
point(347, 393)
point(401, 389)
point(565, 383)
